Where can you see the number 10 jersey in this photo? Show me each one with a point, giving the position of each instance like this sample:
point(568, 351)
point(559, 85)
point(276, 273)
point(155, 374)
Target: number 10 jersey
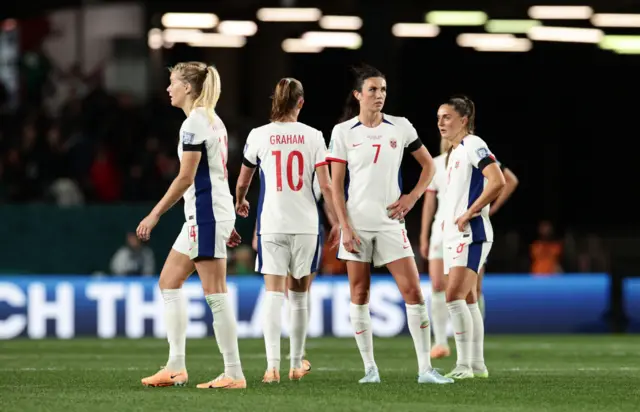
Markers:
point(287, 155)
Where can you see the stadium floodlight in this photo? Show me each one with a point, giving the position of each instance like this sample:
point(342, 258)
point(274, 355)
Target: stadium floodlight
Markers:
point(340, 22)
point(415, 30)
point(154, 39)
point(291, 14)
point(516, 45)
point(615, 20)
point(484, 39)
point(181, 35)
point(511, 26)
point(300, 46)
point(189, 20)
point(238, 28)
point(621, 43)
point(560, 12)
point(218, 40)
point(347, 40)
point(565, 34)
point(456, 18)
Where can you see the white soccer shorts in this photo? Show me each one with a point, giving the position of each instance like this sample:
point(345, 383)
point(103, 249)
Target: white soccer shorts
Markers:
point(472, 256)
point(207, 240)
point(281, 254)
point(379, 247)
point(435, 242)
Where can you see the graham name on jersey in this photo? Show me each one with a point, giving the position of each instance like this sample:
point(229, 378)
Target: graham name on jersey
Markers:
point(287, 139)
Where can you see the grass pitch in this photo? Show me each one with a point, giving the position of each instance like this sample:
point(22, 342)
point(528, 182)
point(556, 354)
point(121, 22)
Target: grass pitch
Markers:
point(527, 373)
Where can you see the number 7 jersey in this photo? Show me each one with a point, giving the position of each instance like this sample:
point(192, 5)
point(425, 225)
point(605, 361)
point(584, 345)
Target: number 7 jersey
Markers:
point(373, 157)
point(287, 155)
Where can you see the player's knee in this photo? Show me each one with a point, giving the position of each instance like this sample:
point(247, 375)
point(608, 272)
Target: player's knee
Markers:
point(359, 294)
point(412, 294)
point(437, 284)
point(168, 281)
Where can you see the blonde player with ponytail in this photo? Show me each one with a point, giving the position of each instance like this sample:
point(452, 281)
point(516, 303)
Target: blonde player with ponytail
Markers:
point(208, 229)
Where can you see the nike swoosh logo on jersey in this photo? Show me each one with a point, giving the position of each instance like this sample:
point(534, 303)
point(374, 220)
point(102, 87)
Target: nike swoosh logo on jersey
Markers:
point(356, 144)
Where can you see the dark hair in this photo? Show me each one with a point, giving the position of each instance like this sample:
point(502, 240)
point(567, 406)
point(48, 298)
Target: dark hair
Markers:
point(361, 73)
point(286, 96)
point(465, 107)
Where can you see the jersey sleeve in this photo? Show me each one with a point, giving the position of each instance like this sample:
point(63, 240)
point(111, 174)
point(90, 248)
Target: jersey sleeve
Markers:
point(320, 157)
point(432, 186)
point(337, 147)
point(478, 152)
point(193, 135)
point(412, 141)
point(250, 158)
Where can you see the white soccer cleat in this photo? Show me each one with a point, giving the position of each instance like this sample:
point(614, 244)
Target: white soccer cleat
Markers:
point(480, 371)
point(460, 372)
point(433, 376)
point(371, 375)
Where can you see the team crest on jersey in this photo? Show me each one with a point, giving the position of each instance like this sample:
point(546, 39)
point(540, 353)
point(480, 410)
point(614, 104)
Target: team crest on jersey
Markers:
point(482, 152)
point(188, 138)
point(393, 143)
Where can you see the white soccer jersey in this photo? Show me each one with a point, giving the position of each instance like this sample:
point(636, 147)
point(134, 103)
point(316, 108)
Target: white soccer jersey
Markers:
point(287, 155)
point(465, 183)
point(438, 185)
point(373, 157)
point(208, 199)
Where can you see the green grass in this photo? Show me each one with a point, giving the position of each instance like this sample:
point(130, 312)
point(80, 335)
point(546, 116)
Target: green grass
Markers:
point(528, 373)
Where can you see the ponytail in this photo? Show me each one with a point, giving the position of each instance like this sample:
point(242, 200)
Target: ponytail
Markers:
point(471, 124)
point(210, 93)
point(351, 108)
point(445, 145)
point(285, 98)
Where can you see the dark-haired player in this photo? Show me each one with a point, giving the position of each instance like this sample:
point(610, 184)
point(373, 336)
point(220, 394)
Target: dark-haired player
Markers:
point(474, 180)
point(371, 144)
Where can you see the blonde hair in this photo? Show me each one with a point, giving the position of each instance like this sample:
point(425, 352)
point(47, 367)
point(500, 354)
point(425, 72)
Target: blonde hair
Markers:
point(444, 145)
point(288, 93)
point(205, 83)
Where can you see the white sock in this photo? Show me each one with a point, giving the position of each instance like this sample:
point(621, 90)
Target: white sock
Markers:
point(298, 302)
point(477, 346)
point(361, 322)
point(439, 316)
point(175, 319)
point(304, 344)
point(225, 330)
point(418, 320)
point(272, 327)
point(481, 306)
point(463, 328)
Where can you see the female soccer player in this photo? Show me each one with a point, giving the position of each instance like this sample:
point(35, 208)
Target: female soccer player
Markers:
point(290, 155)
point(209, 227)
point(371, 144)
point(474, 180)
point(431, 245)
point(431, 249)
point(333, 239)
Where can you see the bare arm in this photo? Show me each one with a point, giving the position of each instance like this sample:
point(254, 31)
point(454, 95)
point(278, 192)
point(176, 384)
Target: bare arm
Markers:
point(495, 183)
point(428, 212)
point(325, 187)
point(511, 182)
point(338, 171)
point(243, 183)
point(185, 178)
point(423, 157)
